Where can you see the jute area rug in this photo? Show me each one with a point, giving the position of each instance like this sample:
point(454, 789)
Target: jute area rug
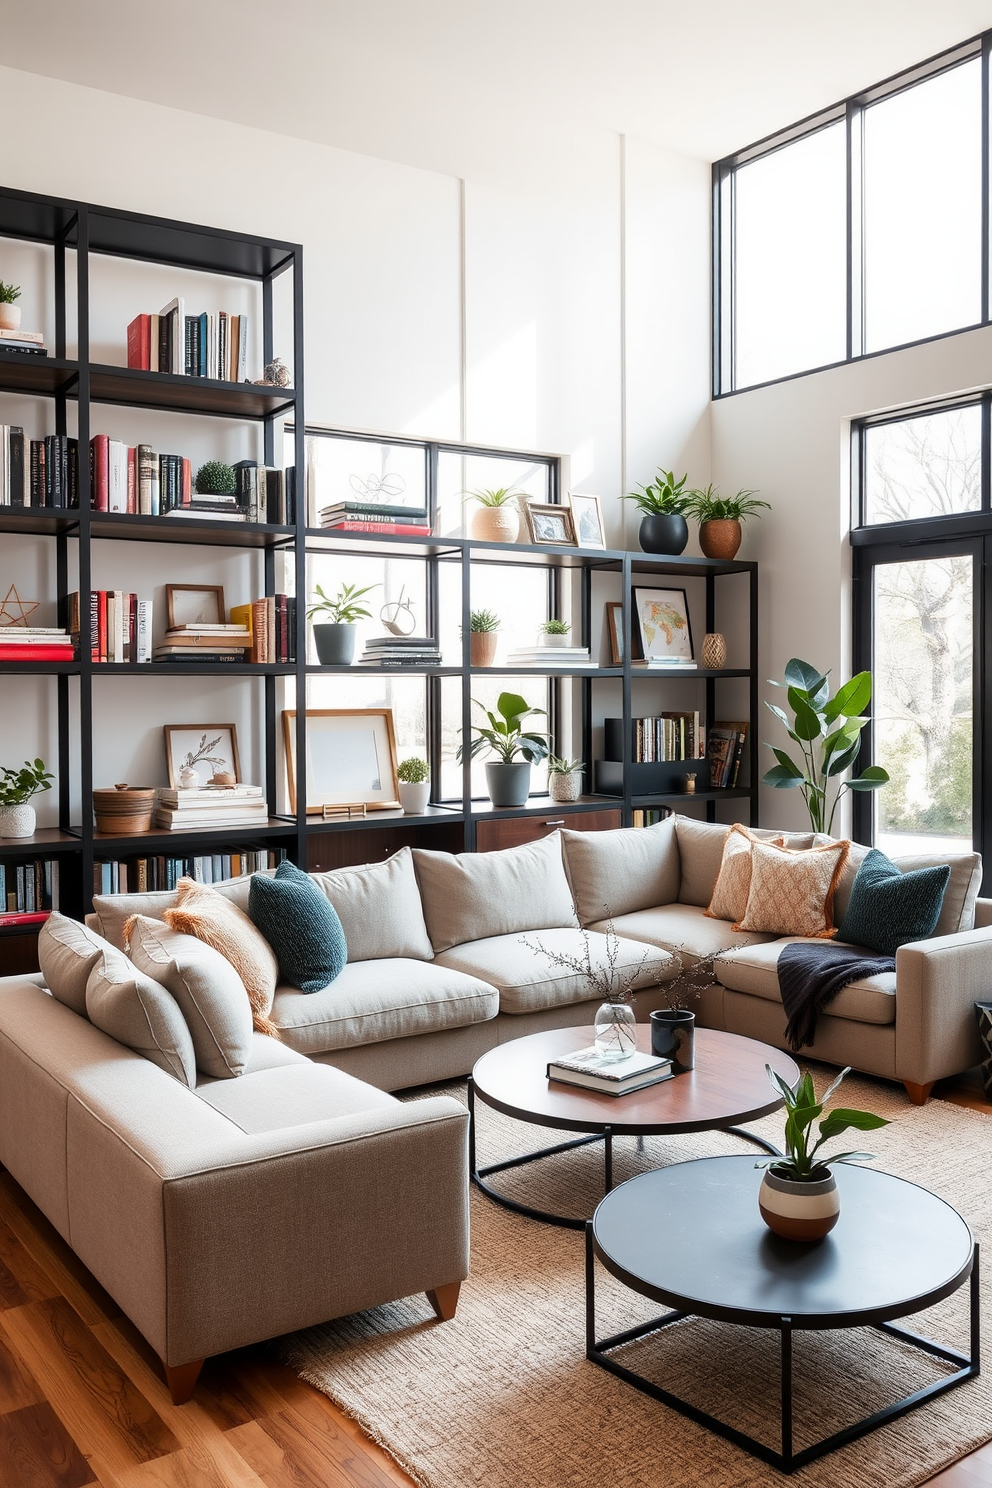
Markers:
point(503, 1396)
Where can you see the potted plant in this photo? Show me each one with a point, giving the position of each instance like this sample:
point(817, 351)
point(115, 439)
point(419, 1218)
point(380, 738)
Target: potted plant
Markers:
point(564, 778)
point(10, 312)
point(798, 1198)
point(17, 818)
point(335, 636)
point(673, 1023)
point(554, 633)
point(483, 628)
point(216, 478)
point(662, 505)
point(507, 778)
point(414, 777)
point(498, 518)
point(720, 519)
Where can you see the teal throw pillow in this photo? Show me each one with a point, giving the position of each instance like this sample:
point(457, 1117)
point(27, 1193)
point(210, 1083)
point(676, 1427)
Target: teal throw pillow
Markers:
point(300, 925)
point(889, 908)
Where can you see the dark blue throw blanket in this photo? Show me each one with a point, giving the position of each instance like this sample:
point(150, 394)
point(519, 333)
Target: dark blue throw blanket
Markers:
point(811, 975)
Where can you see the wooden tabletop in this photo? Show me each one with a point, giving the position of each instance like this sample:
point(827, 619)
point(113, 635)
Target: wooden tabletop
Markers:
point(727, 1086)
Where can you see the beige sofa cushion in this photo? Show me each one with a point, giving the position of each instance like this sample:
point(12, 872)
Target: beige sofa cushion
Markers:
point(67, 953)
point(961, 895)
point(199, 910)
point(733, 882)
point(684, 928)
point(474, 896)
point(114, 910)
point(753, 969)
point(372, 1001)
point(379, 908)
point(528, 982)
point(701, 852)
point(273, 1099)
point(124, 1003)
point(612, 873)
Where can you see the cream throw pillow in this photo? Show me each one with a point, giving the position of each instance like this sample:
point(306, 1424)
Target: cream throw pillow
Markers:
point(792, 893)
point(473, 896)
point(199, 910)
point(124, 1003)
point(733, 882)
point(67, 953)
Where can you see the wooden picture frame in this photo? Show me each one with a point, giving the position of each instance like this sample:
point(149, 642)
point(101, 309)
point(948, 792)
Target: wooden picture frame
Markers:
point(194, 604)
point(550, 524)
point(358, 745)
point(663, 624)
point(587, 520)
point(219, 753)
point(614, 630)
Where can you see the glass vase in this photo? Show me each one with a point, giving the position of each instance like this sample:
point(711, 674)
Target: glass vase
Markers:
point(615, 1031)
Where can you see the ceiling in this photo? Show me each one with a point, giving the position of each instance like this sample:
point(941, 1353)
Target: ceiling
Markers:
point(457, 85)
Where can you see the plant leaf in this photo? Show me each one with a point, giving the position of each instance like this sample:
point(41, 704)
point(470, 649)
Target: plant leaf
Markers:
point(808, 725)
point(851, 699)
point(850, 1157)
point(871, 779)
point(782, 777)
point(842, 1120)
point(841, 762)
point(801, 675)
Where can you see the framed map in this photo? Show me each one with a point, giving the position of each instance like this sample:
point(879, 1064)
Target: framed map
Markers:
point(663, 620)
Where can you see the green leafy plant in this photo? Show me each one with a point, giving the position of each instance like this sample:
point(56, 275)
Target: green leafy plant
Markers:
point(215, 478)
point(502, 496)
point(18, 786)
point(9, 293)
point(413, 771)
point(484, 622)
point(557, 766)
point(800, 1163)
point(710, 506)
point(556, 627)
point(663, 497)
point(828, 732)
point(344, 608)
point(504, 737)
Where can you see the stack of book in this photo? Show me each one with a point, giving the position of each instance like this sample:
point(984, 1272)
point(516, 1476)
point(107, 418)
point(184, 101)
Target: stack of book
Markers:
point(135, 479)
point(190, 345)
point(204, 643)
point(401, 651)
point(23, 343)
point(142, 875)
point(266, 493)
point(38, 472)
point(724, 752)
point(607, 1075)
point(271, 626)
point(120, 625)
point(179, 809)
point(35, 643)
point(373, 516)
point(28, 891)
point(665, 664)
point(546, 658)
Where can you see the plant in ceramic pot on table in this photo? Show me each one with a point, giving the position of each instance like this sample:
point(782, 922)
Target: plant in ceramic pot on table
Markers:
point(720, 519)
point(662, 504)
point(10, 311)
point(564, 778)
point(673, 1023)
point(483, 631)
point(498, 516)
point(334, 635)
point(798, 1198)
point(414, 777)
point(508, 776)
point(554, 633)
point(17, 818)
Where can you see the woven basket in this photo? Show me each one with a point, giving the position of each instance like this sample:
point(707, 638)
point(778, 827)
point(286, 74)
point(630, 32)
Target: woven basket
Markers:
point(124, 809)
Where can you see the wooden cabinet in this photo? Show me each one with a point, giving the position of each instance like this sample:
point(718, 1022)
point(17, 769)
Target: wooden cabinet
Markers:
point(511, 831)
point(344, 849)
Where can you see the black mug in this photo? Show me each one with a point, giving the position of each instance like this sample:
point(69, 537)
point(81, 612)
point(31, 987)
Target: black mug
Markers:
point(672, 1037)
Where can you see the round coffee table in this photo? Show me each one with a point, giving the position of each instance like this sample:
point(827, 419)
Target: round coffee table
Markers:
point(728, 1085)
point(690, 1236)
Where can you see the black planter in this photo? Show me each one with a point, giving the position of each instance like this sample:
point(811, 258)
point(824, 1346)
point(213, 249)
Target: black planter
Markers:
point(663, 534)
point(335, 644)
point(672, 1037)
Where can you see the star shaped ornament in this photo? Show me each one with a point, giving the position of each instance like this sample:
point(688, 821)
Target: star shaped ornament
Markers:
point(12, 601)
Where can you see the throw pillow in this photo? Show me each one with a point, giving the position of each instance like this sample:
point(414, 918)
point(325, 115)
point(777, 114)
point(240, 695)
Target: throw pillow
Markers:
point(792, 892)
point(199, 910)
point(617, 872)
point(733, 882)
point(301, 926)
point(67, 953)
point(890, 908)
point(210, 994)
point(960, 897)
point(124, 1003)
point(472, 896)
point(380, 909)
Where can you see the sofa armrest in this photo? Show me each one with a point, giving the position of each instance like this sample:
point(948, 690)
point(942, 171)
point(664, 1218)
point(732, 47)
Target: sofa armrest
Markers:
point(938, 983)
point(983, 913)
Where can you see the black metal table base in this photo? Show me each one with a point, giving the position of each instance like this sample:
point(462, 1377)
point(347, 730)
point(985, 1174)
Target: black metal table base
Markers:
point(787, 1460)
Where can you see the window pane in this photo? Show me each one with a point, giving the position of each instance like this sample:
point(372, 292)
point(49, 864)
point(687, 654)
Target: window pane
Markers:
point(364, 471)
point(924, 467)
point(924, 692)
point(790, 287)
point(922, 209)
point(459, 475)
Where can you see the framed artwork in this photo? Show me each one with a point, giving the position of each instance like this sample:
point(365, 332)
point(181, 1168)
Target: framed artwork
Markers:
point(614, 629)
point(208, 748)
point(587, 519)
point(663, 622)
point(351, 758)
point(195, 604)
point(550, 524)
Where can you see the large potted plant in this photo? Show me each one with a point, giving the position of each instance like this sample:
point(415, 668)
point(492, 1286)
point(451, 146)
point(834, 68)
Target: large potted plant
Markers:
point(662, 504)
point(334, 636)
point(17, 818)
point(720, 519)
point(498, 516)
point(10, 312)
point(508, 776)
point(483, 629)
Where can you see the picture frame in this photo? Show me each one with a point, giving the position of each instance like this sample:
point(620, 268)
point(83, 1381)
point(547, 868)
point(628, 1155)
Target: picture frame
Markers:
point(550, 524)
point(663, 624)
point(351, 759)
point(195, 604)
point(587, 520)
point(614, 630)
point(209, 748)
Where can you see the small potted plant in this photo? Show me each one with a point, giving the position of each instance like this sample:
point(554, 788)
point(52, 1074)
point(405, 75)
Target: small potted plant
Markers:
point(720, 519)
point(798, 1198)
point(334, 637)
point(554, 633)
point(216, 478)
point(10, 312)
point(564, 778)
point(414, 777)
point(17, 818)
point(483, 628)
point(662, 505)
point(498, 517)
point(507, 777)
point(673, 1023)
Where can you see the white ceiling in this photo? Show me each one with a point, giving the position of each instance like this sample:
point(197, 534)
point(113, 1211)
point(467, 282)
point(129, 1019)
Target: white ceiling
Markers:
point(453, 85)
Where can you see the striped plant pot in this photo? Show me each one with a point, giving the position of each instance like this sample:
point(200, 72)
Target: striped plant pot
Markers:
point(799, 1211)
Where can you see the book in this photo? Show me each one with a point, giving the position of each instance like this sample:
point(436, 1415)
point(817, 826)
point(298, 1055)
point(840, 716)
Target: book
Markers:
point(588, 1069)
point(33, 336)
point(139, 343)
point(721, 744)
point(15, 350)
point(374, 510)
point(392, 529)
point(143, 631)
point(35, 917)
point(171, 337)
point(12, 652)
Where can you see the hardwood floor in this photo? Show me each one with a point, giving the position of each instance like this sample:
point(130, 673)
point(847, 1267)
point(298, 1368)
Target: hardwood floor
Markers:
point(82, 1399)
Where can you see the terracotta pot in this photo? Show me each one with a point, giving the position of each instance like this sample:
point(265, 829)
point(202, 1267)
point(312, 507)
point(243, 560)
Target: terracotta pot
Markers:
point(124, 809)
point(496, 524)
point(799, 1211)
point(10, 317)
point(17, 821)
point(482, 648)
point(720, 539)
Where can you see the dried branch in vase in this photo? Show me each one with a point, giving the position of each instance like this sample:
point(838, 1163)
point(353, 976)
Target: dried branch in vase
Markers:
point(607, 979)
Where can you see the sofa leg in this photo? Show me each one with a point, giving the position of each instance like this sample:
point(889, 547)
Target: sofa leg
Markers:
point(444, 1300)
point(918, 1094)
point(181, 1380)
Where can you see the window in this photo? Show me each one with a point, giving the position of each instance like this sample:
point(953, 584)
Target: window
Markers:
point(929, 466)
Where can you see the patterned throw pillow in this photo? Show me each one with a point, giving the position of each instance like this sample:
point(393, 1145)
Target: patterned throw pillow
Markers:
point(792, 893)
point(733, 882)
point(199, 910)
point(301, 926)
point(889, 908)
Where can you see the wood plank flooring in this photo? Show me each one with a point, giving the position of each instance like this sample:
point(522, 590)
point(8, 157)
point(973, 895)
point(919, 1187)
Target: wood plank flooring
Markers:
point(82, 1399)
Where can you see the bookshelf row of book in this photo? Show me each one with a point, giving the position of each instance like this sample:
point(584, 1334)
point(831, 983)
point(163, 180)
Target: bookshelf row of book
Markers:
point(201, 345)
point(120, 628)
point(724, 753)
point(146, 874)
point(657, 739)
point(28, 889)
point(641, 818)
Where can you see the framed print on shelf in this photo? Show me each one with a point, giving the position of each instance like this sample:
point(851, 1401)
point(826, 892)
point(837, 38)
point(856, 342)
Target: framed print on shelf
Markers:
point(587, 519)
point(351, 758)
point(550, 524)
point(614, 629)
point(208, 748)
point(194, 604)
point(663, 622)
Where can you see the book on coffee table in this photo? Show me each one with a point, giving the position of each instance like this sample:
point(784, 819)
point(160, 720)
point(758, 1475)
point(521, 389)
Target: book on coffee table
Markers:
point(591, 1070)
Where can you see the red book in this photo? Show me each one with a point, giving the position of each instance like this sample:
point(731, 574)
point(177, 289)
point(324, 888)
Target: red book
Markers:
point(101, 621)
point(36, 653)
point(403, 529)
point(100, 472)
point(38, 918)
point(139, 343)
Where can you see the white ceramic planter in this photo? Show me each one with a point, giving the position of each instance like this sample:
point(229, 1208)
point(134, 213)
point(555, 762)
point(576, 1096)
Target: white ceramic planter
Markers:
point(565, 787)
point(17, 821)
point(554, 640)
point(799, 1211)
point(414, 798)
point(496, 524)
point(10, 317)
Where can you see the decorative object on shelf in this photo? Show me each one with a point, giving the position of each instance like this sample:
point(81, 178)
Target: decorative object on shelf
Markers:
point(550, 524)
point(195, 605)
point(615, 1023)
point(415, 785)
point(223, 779)
point(124, 809)
point(508, 779)
point(690, 784)
point(351, 811)
point(614, 630)
point(335, 637)
point(377, 488)
point(11, 601)
point(204, 747)
point(828, 732)
point(554, 633)
point(498, 516)
point(10, 313)
point(274, 374)
point(662, 504)
point(587, 520)
point(720, 519)
point(663, 622)
point(188, 779)
point(215, 478)
point(673, 1024)
point(564, 778)
point(483, 628)
point(983, 1012)
point(351, 758)
point(397, 615)
point(798, 1197)
point(17, 818)
point(714, 653)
